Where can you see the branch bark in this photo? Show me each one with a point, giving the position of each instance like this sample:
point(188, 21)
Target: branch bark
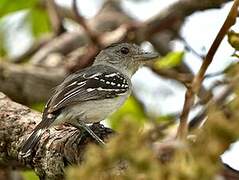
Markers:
point(29, 84)
point(58, 147)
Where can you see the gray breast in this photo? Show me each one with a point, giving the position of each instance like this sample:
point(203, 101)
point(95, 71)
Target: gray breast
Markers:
point(96, 111)
point(91, 111)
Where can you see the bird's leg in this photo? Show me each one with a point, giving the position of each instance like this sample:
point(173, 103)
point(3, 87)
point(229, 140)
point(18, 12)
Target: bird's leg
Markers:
point(80, 125)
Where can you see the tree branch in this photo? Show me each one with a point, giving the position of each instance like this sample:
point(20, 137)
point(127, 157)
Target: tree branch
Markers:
point(63, 44)
point(29, 84)
point(57, 148)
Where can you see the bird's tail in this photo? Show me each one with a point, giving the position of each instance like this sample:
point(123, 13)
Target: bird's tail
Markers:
point(34, 138)
point(31, 142)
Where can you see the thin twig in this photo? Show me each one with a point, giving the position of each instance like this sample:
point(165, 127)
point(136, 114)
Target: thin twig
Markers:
point(197, 81)
point(214, 74)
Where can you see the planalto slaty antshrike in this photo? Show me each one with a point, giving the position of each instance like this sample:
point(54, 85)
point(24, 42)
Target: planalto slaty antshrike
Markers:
point(91, 94)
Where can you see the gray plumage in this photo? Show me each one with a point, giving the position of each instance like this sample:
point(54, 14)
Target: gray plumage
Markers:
point(91, 94)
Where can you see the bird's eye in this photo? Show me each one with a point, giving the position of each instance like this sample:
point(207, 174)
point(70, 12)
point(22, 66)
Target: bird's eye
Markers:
point(124, 50)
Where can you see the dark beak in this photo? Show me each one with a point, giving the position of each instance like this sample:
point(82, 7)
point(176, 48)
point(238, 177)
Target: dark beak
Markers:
point(145, 56)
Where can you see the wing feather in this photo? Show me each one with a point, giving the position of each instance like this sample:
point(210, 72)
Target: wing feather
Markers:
point(93, 83)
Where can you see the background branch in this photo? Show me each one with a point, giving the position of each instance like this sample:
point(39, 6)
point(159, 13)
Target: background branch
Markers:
point(55, 17)
point(38, 82)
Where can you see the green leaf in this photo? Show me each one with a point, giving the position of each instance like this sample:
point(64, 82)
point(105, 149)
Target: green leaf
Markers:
point(9, 6)
point(39, 21)
point(131, 110)
point(171, 60)
point(233, 39)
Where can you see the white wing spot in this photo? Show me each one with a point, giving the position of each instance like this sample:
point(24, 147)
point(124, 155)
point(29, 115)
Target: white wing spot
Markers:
point(81, 83)
point(100, 89)
point(39, 132)
point(72, 84)
point(92, 76)
point(49, 116)
point(111, 75)
point(90, 89)
point(112, 83)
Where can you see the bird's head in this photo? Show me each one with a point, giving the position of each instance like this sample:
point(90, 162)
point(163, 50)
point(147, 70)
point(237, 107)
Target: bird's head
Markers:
point(124, 57)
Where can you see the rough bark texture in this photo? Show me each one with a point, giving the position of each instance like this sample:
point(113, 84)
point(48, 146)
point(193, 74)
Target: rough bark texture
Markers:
point(57, 148)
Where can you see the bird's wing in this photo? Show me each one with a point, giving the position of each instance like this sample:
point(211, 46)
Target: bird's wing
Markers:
point(93, 83)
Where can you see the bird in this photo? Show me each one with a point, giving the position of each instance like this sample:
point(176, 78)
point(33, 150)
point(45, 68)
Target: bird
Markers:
point(91, 94)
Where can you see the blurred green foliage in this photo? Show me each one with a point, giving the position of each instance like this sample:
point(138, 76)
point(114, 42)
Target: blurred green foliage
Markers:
point(38, 106)
point(2, 47)
point(39, 21)
point(11, 6)
point(36, 17)
point(131, 109)
point(128, 149)
point(171, 60)
point(29, 175)
point(132, 155)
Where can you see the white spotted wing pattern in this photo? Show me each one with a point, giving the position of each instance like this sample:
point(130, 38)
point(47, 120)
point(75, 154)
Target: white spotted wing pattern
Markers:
point(94, 84)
